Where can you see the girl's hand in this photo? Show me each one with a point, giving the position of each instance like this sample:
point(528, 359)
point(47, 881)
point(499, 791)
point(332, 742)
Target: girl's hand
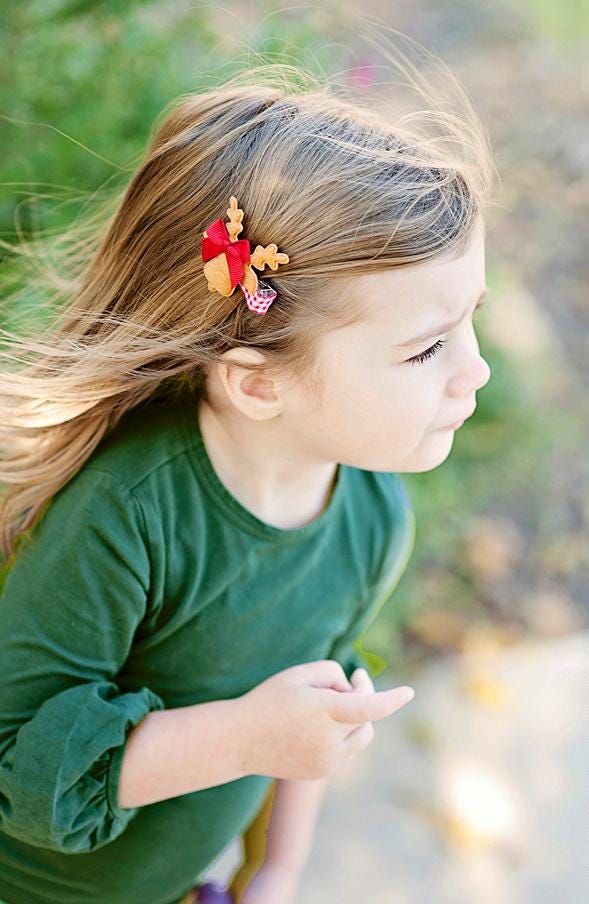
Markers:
point(301, 722)
point(274, 883)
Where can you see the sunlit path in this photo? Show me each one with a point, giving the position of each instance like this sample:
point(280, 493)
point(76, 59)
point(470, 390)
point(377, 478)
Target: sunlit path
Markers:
point(477, 791)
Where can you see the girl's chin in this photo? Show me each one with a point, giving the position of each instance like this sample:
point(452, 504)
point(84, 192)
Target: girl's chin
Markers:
point(437, 452)
point(429, 453)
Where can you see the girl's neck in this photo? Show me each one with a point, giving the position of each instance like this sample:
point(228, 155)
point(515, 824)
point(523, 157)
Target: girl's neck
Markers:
point(264, 471)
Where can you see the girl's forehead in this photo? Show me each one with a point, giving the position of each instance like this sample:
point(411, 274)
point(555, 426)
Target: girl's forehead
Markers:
point(418, 296)
point(397, 300)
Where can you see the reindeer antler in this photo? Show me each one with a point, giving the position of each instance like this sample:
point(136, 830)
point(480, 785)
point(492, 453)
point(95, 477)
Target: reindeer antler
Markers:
point(270, 255)
point(235, 214)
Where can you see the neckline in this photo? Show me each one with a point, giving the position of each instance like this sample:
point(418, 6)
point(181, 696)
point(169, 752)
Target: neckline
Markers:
point(238, 513)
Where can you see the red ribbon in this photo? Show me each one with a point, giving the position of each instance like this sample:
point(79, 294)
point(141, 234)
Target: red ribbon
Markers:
point(217, 242)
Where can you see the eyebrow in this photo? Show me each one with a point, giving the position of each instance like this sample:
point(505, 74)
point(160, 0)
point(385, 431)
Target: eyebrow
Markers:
point(443, 328)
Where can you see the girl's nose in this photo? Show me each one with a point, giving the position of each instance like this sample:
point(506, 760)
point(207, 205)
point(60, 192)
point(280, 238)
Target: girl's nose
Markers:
point(471, 378)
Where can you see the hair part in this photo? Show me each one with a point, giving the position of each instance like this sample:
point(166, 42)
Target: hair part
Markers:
point(342, 189)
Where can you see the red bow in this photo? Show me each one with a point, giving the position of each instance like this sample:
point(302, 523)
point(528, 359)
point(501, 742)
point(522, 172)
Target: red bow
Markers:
point(217, 242)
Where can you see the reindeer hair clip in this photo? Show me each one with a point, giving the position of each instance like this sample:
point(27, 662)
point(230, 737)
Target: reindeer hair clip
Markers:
point(230, 262)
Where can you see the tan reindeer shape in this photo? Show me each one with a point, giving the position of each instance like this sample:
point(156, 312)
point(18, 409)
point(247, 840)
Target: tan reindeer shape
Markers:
point(217, 271)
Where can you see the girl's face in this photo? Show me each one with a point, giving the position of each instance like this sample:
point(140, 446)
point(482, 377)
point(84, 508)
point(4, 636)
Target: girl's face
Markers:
point(381, 408)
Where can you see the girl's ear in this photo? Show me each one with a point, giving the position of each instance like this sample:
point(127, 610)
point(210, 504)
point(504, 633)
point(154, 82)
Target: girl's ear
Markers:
point(253, 393)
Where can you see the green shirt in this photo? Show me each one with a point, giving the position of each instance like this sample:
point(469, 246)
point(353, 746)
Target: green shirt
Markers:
point(146, 585)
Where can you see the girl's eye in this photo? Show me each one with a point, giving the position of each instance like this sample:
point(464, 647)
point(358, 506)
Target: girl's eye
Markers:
point(435, 348)
point(428, 353)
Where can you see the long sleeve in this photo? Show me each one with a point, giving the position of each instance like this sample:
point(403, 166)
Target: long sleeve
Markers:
point(71, 603)
point(347, 649)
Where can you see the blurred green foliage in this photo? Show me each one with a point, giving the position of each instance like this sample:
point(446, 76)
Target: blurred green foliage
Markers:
point(82, 82)
point(556, 20)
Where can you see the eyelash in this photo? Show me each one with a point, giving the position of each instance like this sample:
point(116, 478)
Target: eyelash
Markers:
point(435, 348)
point(428, 353)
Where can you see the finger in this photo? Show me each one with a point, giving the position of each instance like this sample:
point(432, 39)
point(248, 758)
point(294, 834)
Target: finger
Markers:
point(361, 706)
point(325, 673)
point(356, 680)
point(362, 680)
point(361, 683)
point(359, 738)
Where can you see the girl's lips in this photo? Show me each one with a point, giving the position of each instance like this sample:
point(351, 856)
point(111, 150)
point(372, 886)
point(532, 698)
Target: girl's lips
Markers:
point(457, 424)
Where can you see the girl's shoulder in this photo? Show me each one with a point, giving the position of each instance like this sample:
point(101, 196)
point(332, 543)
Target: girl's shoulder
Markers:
point(125, 476)
point(144, 441)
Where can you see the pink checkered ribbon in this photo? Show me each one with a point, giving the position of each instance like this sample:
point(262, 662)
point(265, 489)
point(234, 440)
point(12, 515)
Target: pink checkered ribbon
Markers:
point(261, 299)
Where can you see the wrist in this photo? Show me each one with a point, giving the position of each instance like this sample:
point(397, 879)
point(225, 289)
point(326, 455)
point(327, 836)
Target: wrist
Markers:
point(246, 736)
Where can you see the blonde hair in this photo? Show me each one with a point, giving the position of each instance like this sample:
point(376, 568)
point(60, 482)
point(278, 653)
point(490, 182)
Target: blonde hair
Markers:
point(342, 189)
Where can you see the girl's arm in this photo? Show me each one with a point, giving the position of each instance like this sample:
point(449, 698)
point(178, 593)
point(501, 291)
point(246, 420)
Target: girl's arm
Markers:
point(277, 843)
point(292, 821)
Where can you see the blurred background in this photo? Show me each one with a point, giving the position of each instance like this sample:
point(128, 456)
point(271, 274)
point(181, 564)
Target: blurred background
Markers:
point(475, 791)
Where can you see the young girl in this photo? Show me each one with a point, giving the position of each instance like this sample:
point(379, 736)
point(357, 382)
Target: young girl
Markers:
point(202, 511)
